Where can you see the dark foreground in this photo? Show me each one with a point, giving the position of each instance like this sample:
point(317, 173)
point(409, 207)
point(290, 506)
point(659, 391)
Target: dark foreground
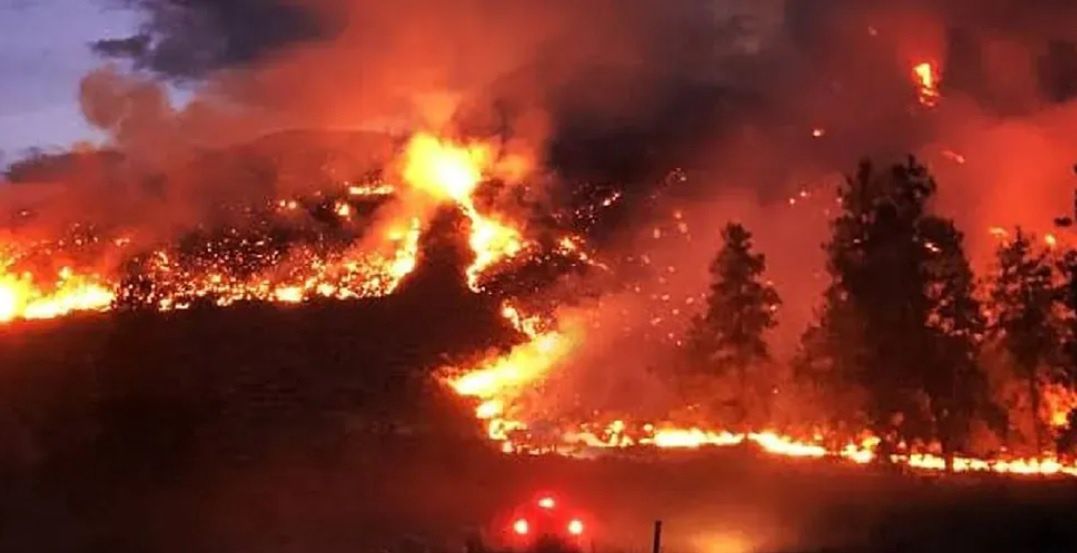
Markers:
point(257, 429)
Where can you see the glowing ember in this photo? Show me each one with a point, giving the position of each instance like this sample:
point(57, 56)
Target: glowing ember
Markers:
point(236, 269)
point(926, 76)
point(999, 233)
point(224, 272)
point(954, 157)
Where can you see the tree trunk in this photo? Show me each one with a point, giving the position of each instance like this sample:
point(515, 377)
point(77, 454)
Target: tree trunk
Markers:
point(946, 440)
point(1034, 396)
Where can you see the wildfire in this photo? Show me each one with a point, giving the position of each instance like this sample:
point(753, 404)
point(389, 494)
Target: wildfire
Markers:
point(300, 275)
point(1060, 402)
point(500, 382)
point(450, 171)
point(22, 298)
point(440, 172)
point(926, 76)
point(692, 438)
point(235, 269)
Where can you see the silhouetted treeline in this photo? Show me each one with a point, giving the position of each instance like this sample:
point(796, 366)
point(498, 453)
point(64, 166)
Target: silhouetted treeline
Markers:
point(908, 341)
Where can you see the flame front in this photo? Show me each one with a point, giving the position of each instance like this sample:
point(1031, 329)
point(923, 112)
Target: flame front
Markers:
point(439, 171)
point(436, 172)
point(499, 383)
point(22, 298)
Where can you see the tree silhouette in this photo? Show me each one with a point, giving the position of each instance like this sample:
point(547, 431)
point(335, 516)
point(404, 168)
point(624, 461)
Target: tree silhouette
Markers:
point(955, 382)
point(728, 339)
point(1022, 296)
point(899, 322)
point(1066, 297)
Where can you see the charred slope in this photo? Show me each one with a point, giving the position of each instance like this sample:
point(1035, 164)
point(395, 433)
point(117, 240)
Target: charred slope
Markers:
point(116, 428)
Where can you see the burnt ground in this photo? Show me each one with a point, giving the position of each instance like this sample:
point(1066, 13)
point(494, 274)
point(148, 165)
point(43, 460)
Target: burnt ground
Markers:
point(318, 429)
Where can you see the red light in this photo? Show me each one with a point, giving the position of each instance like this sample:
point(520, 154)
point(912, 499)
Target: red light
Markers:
point(575, 527)
point(546, 503)
point(521, 527)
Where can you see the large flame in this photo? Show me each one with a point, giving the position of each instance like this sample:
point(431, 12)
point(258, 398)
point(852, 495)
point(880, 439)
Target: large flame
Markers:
point(498, 381)
point(1060, 403)
point(22, 297)
point(450, 171)
point(443, 169)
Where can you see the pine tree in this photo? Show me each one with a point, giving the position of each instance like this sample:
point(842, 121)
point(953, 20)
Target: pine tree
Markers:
point(1022, 296)
point(1065, 362)
point(729, 337)
point(1066, 298)
point(899, 322)
point(955, 382)
point(872, 328)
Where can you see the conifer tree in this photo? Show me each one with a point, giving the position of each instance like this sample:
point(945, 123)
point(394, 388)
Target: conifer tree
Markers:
point(729, 337)
point(900, 322)
point(1022, 293)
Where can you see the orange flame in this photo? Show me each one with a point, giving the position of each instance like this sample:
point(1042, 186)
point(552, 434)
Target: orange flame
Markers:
point(438, 169)
point(449, 171)
point(927, 79)
point(499, 383)
point(22, 298)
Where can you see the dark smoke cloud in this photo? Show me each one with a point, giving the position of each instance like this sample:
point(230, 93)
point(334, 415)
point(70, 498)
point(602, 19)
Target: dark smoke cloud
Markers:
point(607, 90)
point(611, 74)
point(599, 89)
point(189, 38)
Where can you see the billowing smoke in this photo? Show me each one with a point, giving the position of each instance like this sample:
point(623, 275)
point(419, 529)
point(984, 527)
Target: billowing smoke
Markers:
point(182, 39)
point(766, 102)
